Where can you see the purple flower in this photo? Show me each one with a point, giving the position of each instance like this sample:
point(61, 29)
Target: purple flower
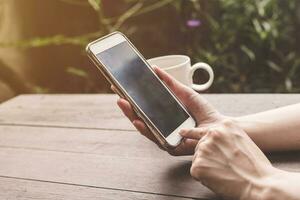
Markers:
point(193, 23)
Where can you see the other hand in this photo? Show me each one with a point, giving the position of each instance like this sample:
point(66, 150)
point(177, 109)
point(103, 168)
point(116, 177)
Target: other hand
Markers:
point(228, 162)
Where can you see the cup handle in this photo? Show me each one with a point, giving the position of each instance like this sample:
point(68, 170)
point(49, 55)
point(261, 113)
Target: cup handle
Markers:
point(208, 69)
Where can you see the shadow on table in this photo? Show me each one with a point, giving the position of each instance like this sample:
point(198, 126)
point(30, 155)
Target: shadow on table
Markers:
point(181, 182)
point(286, 160)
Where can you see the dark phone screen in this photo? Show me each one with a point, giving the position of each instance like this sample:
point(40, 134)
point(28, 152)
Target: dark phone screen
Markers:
point(143, 87)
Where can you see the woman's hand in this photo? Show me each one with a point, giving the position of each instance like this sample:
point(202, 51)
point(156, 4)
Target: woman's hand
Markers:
point(204, 113)
point(228, 162)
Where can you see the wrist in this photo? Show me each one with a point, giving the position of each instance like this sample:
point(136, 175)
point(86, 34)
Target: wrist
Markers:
point(270, 186)
point(254, 130)
point(263, 187)
point(245, 123)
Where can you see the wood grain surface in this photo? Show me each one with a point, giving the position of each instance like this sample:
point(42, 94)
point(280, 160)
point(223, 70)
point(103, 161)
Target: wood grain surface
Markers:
point(128, 162)
point(20, 189)
point(101, 111)
point(81, 147)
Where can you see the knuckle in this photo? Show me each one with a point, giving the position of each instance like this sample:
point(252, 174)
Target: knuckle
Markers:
point(216, 135)
point(227, 122)
point(236, 152)
point(191, 96)
point(197, 169)
point(193, 171)
point(189, 131)
point(204, 148)
point(196, 172)
point(170, 82)
point(206, 151)
point(238, 135)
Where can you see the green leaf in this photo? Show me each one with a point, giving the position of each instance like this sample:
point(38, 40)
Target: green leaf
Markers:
point(267, 26)
point(261, 7)
point(274, 66)
point(295, 67)
point(248, 52)
point(288, 84)
point(291, 56)
point(213, 23)
point(40, 90)
point(77, 72)
point(257, 26)
point(95, 4)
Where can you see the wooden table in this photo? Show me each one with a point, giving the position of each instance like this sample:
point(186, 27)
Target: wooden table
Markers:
point(81, 147)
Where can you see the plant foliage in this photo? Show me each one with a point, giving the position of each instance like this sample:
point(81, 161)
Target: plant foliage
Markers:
point(253, 45)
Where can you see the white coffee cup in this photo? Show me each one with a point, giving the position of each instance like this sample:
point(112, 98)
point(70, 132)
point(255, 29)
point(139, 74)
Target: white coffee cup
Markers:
point(179, 66)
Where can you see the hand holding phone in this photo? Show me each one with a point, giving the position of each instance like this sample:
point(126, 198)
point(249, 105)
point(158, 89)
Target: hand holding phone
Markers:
point(203, 112)
point(135, 80)
point(187, 146)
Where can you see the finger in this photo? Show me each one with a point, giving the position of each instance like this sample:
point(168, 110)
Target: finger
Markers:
point(127, 109)
point(113, 88)
point(195, 156)
point(178, 88)
point(191, 99)
point(139, 124)
point(172, 83)
point(186, 147)
point(141, 127)
point(205, 137)
point(144, 130)
point(194, 133)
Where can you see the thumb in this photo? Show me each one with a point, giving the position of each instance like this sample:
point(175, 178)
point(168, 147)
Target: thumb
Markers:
point(194, 133)
point(183, 92)
point(180, 90)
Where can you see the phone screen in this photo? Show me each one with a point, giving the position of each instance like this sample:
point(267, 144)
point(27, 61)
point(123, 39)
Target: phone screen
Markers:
point(143, 87)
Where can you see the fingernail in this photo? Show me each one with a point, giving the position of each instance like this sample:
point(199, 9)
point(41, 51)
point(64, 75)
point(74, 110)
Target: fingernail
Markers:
point(119, 101)
point(155, 68)
point(135, 122)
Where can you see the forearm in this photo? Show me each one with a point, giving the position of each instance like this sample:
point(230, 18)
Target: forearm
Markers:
point(274, 130)
point(278, 186)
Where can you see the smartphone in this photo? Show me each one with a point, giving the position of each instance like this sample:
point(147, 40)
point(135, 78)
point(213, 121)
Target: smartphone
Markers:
point(126, 69)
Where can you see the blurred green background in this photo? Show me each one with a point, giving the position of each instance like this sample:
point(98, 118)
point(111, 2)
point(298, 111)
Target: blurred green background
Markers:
point(252, 45)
